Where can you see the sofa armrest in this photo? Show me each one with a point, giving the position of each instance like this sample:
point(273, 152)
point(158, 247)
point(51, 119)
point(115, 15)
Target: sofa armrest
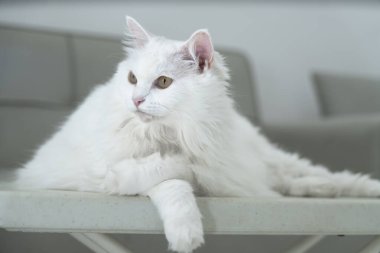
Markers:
point(340, 143)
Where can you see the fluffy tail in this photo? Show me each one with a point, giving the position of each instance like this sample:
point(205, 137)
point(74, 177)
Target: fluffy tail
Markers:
point(301, 178)
point(340, 184)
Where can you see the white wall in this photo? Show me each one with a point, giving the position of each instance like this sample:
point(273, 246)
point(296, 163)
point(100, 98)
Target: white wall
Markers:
point(285, 41)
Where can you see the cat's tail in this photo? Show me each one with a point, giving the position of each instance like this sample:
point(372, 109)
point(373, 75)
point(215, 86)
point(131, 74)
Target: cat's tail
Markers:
point(299, 177)
point(338, 184)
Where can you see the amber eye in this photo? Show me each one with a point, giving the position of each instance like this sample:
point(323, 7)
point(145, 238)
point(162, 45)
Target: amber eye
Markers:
point(163, 82)
point(132, 78)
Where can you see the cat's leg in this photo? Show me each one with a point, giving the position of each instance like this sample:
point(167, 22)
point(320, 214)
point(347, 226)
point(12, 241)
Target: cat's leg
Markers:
point(136, 176)
point(179, 212)
point(160, 179)
point(295, 176)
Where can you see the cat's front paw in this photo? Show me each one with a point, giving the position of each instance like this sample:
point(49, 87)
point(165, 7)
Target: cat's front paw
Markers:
point(184, 236)
point(110, 183)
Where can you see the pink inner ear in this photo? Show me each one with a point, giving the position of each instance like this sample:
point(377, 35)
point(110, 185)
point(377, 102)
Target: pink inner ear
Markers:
point(203, 49)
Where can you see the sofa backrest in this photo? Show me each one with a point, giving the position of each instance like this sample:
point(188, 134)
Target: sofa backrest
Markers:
point(342, 95)
point(44, 75)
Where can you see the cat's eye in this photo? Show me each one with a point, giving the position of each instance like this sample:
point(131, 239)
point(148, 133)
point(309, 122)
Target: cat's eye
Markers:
point(163, 82)
point(132, 78)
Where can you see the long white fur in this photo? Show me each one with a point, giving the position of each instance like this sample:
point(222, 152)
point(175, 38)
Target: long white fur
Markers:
point(188, 136)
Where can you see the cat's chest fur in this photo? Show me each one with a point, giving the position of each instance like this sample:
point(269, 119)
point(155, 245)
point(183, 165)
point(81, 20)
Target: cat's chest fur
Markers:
point(134, 139)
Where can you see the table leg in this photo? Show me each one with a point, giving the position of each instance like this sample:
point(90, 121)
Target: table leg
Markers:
point(100, 243)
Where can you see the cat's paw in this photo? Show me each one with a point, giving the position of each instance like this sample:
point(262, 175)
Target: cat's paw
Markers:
point(184, 236)
point(110, 183)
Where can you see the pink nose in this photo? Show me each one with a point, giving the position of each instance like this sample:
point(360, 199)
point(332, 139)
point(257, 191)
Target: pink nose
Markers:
point(138, 101)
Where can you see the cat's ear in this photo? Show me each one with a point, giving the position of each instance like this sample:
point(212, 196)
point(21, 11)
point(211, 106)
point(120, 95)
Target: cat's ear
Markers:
point(136, 35)
point(199, 47)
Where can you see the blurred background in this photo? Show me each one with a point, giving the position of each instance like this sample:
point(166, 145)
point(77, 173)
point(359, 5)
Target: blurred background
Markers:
point(307, 72)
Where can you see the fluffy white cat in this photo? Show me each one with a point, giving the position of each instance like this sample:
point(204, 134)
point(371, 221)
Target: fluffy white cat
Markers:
point(165, 125)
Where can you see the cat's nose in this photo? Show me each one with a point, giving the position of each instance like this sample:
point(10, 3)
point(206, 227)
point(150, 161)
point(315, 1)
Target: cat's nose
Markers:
point(138, 101)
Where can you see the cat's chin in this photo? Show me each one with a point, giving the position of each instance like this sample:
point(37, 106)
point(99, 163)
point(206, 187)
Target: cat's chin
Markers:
point(144, 116)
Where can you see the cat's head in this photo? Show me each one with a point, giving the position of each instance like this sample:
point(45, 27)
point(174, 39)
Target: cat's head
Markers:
point(163, 79)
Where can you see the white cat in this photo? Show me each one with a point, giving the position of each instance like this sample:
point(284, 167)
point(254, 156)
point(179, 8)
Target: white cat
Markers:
point(165, 125)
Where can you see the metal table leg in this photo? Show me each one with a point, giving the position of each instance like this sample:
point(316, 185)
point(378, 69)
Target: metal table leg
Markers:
point(100, 243)
point(306, 244)
point(372, 247)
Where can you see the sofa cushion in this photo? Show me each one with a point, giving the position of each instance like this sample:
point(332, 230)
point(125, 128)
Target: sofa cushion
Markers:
point(341, 95)
point(34, 67)
point(23, 129)
point(242, 88)
point(96, 60)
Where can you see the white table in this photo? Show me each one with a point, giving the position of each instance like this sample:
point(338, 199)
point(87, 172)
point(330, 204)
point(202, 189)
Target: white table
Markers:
point(88, 216)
